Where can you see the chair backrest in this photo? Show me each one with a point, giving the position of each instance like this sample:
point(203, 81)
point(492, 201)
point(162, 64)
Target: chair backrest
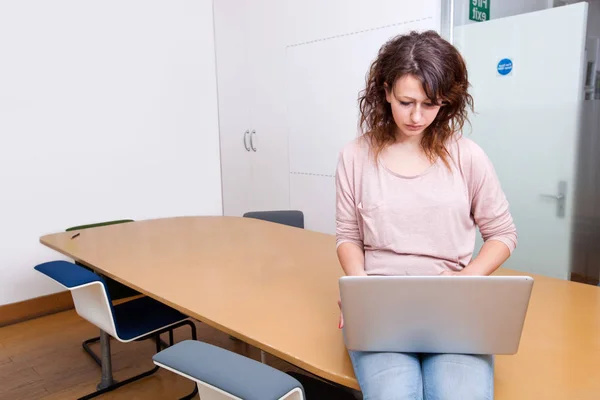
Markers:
point(92, 301)
point(97, 224)
point(207, 391)
point(293, 218)
point(116, 289)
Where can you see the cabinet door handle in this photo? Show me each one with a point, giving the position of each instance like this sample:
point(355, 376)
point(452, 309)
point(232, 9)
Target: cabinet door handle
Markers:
point(560, 197)
point(252, 141)
point(246, 141)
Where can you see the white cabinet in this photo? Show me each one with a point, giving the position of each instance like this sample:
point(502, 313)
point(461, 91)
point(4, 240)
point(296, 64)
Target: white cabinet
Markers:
point(251, 84)
point(234, 110)
point(270, 165)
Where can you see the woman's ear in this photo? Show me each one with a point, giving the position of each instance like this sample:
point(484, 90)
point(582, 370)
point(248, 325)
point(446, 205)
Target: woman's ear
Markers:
point(388, 92)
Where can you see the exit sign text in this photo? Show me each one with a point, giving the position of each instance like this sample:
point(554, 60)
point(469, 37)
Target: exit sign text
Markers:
point(479, 10)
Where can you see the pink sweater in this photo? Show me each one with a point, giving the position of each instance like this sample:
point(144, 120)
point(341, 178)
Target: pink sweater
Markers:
point(425, 224)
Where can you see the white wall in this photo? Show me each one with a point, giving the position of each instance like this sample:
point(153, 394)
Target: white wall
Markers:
point(499, 9)
point(107, 110)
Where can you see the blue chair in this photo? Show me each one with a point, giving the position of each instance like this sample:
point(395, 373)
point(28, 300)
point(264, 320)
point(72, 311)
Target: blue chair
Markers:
point(138, 319)
point(293, 218)
point(222, 374)
point(115, 289)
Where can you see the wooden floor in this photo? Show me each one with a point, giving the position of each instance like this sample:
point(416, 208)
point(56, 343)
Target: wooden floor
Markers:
point(42, 359)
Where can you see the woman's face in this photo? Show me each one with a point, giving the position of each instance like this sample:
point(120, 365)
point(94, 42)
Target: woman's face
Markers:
point(413, 112)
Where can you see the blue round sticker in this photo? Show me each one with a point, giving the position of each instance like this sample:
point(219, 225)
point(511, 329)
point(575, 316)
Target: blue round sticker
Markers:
point(505, 66)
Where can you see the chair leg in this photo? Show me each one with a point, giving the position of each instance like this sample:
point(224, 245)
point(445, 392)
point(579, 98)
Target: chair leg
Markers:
point(162, 342)
point(106, 378)
point(191, 395)
point(193, 328)
point(127, 381)
point(119, 384)
point(96, 358)
point(159, 345)
point(194, 337)
point(87, 348)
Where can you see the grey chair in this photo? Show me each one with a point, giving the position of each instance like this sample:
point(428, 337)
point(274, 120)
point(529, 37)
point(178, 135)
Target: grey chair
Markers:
point(222, 374)
point(293, 218)
point(285, 217)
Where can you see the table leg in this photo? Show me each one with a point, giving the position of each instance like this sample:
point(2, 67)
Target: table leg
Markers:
point(263, 357)
point(107, 377)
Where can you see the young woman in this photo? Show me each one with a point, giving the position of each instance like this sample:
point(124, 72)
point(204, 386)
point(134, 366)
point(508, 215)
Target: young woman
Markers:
point(411, 193)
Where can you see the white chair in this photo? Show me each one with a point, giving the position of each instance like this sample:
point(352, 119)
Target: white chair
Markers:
point(224, 375)
point(138, 319)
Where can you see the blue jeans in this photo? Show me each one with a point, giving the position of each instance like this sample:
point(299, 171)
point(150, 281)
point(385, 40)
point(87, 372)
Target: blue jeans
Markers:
point(399, 376)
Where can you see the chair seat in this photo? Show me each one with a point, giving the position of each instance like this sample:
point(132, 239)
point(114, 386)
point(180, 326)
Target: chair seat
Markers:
point(228, 371)
point(133, 319)
point(141, 316)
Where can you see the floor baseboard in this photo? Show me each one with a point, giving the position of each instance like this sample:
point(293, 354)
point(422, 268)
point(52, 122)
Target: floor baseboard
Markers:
point(34, 308)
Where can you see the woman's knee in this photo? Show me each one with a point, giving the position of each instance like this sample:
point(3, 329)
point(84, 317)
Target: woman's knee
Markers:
point(458, 376)
point(387, 376)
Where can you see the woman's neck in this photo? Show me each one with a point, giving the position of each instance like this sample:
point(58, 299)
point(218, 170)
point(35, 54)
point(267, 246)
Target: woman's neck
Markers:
point(409, 142)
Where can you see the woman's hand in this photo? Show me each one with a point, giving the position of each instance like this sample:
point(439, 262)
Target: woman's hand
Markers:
point(462, 272)
point(492, 254)
point(451, 273)
point(341, 323)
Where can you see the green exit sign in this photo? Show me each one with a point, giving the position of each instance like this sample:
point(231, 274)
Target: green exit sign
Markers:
point(479, 10)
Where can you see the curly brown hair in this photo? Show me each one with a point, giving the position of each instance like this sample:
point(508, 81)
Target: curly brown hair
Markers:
point(443, 74)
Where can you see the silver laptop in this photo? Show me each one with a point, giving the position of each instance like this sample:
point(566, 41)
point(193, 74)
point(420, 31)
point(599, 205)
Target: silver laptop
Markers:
point(435, 314)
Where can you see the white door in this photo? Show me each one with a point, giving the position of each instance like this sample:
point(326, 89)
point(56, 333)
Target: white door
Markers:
point(526, 73)
point(233, 79)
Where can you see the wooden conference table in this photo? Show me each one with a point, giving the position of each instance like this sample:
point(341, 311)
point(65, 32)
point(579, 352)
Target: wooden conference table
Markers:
point(275, 287)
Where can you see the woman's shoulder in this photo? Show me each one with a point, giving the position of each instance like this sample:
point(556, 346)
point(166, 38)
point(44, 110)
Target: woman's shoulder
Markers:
point(472, 161)
point(465, 151)
point(356, 149)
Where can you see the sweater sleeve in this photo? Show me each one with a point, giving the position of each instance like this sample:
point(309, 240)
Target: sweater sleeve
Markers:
point(346, 221)
point(489, 206)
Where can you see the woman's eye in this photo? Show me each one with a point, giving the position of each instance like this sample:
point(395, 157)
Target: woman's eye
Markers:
point(404, 103)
